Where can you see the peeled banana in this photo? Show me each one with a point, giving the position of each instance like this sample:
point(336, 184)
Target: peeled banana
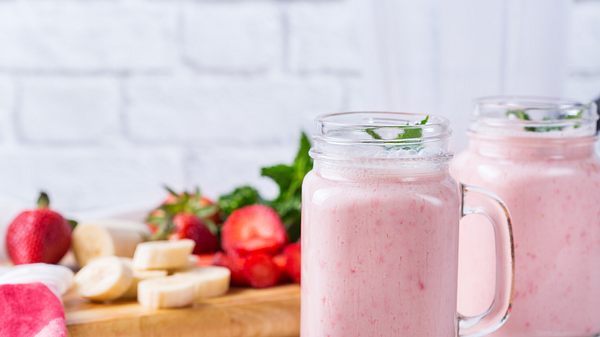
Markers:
point(104, 279)
point(162, 254)
point(94, 239)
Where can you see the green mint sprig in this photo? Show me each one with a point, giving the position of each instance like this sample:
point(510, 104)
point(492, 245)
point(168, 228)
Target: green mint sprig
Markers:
point(288, 178)
point(408, 132)
point(522, 115)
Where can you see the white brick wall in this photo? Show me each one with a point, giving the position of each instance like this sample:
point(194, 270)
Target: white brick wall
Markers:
point(232, 37)
point(7, 96)
point(68, 110)
point(81, 179)
point(584, 51)
point(226, 111)
point(103, 101)
point(235, 166)
point(324, 37)
point(87, 36)
point(585, 28)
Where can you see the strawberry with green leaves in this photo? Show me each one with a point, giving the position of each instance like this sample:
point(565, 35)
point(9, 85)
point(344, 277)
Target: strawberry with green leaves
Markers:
point(39, 235)
point(186, 216)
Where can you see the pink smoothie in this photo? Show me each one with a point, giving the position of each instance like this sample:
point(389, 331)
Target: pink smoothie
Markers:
point(379, 254)
point(552, 189)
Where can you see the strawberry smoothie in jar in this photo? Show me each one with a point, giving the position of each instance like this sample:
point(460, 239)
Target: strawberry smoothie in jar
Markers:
point(537, 155)
point(380, 227)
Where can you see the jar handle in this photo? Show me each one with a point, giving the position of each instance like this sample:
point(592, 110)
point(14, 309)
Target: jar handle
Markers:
point(478, 201)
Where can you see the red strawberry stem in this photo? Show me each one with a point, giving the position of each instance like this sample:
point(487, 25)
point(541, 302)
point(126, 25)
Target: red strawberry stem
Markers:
point(43, 200)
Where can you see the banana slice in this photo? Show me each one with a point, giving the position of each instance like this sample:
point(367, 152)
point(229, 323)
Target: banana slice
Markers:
point(208, 281)
point(139, 275)
point(104, 279)
point(166, 292)
point(192, 262)
point(57, 278)
point(106, 237)
point(162, 254)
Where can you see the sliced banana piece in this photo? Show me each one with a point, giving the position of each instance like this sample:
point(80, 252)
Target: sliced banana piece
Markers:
point(166, 292)
point(162, 254)
point(94, 239)
point(208, 281)
point(104, 279)
point(57, 278)
point(140, 275)
point(192, 262)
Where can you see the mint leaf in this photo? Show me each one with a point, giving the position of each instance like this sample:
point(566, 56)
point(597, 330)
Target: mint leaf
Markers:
point(407, 131)
point(411, 133)
point(373, 133)
point(303, 151)
point(519, 114)
point(522, 115)
point(289, 180)
point(238, 198)
point(578, 115)
point(290, 210)
point(281, 174)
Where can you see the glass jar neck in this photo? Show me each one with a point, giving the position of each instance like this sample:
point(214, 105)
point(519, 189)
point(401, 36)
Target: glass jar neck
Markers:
point(380, 170)
point(534, 117)
point(362, 144)
point(530, 148)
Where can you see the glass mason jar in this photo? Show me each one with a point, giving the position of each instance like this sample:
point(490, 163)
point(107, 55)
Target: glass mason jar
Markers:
point(538, 155)
point(380, 228)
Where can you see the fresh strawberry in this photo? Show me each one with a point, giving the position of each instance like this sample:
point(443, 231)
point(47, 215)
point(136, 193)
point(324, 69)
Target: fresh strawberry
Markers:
point(186, 216)
point(189, 226)
point(206, 259)
point(293, 263)
point(235, 265)
point(39, 235)
point(253, 229)
point(205, 202)
point(280, 261)
point(260, 271)
point(266, 246)
point(152, 227)
point(201, 201)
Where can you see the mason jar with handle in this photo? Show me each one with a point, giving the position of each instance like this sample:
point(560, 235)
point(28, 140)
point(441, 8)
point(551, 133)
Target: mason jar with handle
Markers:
point(538, 155)
point(380, 232)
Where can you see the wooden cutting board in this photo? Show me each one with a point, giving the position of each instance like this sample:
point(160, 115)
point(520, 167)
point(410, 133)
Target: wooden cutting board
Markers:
point(242, 312)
